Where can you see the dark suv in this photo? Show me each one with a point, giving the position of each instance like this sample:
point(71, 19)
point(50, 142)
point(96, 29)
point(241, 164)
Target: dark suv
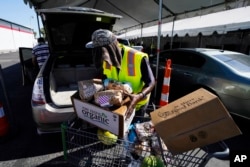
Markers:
point(67, 29)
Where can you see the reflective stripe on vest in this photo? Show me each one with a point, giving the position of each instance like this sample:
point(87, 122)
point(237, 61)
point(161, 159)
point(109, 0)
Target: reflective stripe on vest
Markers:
point(131, 63)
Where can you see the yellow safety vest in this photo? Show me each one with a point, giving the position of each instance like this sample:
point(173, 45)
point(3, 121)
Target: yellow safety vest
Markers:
point(130, 71)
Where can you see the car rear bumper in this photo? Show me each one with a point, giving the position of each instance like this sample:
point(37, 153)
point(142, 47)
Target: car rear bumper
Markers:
point(48, 119)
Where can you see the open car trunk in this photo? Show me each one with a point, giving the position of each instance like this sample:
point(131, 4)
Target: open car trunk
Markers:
point(68, 29)
point(64, 78)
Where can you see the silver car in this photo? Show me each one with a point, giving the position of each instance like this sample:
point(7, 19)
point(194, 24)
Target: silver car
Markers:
point(67, 29)
point(224, 73)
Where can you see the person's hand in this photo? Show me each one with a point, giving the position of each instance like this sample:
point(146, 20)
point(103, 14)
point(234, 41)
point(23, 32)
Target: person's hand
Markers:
point(135, 98)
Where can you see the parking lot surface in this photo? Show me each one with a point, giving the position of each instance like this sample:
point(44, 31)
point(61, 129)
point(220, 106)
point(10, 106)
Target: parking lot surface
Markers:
point(24, 147)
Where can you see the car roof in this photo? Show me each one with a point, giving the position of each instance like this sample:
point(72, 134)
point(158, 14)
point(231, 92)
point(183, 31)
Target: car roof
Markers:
point(208, 51)
point(225, 57)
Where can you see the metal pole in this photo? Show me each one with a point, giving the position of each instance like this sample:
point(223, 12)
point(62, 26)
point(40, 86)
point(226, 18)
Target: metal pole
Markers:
point(172, 36)
point(141, 34)
point(38, 24)
point(158, 44)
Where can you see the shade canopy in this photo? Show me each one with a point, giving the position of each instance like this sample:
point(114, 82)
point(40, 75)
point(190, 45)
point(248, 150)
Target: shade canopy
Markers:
point(220, 22)
point(144, 13)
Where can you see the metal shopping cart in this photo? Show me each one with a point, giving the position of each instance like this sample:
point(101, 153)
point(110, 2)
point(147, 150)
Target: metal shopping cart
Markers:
point(82, 147)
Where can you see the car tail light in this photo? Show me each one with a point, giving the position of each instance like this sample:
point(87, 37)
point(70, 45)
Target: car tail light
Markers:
point(38, 92)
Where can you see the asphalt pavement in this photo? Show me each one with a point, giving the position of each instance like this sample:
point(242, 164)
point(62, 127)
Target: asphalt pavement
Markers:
point(23, 147)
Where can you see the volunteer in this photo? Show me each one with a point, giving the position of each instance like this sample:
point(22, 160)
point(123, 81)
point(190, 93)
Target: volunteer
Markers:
point(124, 64)
point(40, 52)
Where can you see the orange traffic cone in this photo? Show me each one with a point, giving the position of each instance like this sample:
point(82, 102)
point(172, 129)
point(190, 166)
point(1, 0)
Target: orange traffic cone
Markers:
point(166, 84)
point(4, 125)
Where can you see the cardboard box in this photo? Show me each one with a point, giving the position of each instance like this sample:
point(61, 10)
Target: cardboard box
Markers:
point(113, 121)
point(193, 121)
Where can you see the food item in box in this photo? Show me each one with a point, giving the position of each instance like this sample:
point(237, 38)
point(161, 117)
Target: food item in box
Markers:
point(142, 149)
point(113, 85)
point(108, 98)
point(132, 137)
point(87, 89)
point(116, 99)
point(156, 146)
point(127, 88)
point(106, 137)
point(144, 130)
point(152, 161)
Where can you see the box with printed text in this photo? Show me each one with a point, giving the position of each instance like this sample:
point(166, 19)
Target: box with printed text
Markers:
point(195, 120)
point(113, 121)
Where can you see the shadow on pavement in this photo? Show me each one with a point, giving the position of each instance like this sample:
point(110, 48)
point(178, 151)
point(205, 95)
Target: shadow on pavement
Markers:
point(22, 140)
point(55, 163)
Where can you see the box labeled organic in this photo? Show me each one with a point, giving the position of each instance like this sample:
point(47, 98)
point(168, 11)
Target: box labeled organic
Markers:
point(113, 121)
point(193, 121)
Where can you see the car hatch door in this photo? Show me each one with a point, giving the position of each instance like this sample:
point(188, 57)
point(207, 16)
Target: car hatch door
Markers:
point(28, 70)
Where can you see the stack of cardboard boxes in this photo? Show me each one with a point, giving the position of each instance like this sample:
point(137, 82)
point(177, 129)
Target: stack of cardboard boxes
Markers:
point(195, 120)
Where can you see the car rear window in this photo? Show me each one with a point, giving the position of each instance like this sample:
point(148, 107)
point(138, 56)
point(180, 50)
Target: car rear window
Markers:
point(238, 62)
point(73, 31)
